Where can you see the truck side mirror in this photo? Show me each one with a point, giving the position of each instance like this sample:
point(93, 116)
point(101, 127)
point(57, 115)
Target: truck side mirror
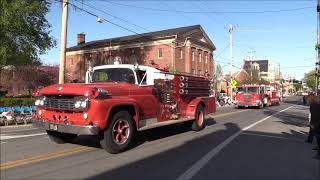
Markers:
point(89, 75)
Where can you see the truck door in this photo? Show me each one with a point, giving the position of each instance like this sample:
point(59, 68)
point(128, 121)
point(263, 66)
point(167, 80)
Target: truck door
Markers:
point(146, 97)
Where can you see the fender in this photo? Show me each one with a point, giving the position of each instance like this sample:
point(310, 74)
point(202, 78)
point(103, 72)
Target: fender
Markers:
point(123, 102)
point(192, 107)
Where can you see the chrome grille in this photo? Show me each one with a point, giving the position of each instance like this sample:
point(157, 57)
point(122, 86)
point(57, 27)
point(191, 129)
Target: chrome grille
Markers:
point(59, 103)
point(246, 97)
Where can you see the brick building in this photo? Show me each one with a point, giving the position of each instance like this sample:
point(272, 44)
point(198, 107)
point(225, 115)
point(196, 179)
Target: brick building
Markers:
point(264, 67)
point(185, 49)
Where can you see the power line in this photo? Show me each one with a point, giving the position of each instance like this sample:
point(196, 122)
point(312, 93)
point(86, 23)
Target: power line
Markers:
point(209, 12)
point(222, 51)
point(115, 24)
point(295, 67)
point(121, 19)
point(92, 14)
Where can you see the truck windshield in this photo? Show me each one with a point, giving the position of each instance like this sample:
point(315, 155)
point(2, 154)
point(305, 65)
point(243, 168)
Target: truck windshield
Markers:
point(241, 90)
point(114, 75)
point(253, 90)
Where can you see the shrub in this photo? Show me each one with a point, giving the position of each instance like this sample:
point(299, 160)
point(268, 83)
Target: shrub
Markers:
point(9, 102)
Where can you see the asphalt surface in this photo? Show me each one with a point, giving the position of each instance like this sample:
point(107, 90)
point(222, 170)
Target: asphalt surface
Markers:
point(236, 144)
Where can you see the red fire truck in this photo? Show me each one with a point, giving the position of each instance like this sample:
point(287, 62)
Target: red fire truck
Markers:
point(257, 96)
point(118, 100)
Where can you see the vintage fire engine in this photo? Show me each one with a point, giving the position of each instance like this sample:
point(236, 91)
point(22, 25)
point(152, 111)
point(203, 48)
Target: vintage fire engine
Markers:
point(257, 96)
point(118, 100)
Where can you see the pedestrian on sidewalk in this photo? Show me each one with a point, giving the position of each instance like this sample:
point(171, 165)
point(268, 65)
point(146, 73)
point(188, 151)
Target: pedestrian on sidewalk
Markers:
point(315, 121)
point(310, 100)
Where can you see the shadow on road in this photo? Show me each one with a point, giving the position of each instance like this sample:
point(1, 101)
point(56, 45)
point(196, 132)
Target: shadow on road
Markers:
point(256, 150)
point(289, 117)
point(173, 161)
point(145, 136)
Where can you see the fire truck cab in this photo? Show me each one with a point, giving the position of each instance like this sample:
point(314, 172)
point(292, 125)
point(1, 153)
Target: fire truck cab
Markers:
point(257, 96)
point(118, 100)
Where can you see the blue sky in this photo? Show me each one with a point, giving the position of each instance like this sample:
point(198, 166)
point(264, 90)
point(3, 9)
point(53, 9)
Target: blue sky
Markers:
point(287, 37)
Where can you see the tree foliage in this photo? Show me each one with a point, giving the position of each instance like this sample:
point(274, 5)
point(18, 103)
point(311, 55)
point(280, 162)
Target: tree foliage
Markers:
point(297, 86)
point(310, 78)
point(217, 77)
point(24, 31)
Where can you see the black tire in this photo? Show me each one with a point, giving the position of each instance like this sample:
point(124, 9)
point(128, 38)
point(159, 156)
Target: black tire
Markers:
point(108, 137)
point(61, 138)
point(198, 124)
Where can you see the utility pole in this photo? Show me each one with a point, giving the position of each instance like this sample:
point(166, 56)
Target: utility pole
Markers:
point(63, 40)
point(230, 29)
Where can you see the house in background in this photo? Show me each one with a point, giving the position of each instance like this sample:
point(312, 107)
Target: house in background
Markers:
point(185, 49)
point(264, 68)
point(239, 76)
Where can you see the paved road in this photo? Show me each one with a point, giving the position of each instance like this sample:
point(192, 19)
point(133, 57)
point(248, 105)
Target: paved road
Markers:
point(236, 144)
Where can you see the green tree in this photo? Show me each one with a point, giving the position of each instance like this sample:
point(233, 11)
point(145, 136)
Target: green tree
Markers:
point(24, 31)
point(310, 78)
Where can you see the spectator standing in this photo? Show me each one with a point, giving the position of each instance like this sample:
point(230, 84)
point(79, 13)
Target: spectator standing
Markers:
point(315, 122)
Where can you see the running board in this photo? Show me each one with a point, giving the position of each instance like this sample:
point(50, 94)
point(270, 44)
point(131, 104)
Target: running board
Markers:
point(152, 123)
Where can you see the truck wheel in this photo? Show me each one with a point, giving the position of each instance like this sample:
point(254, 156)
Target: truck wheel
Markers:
point(199, 124)
point(118, 136)
point(61, 138)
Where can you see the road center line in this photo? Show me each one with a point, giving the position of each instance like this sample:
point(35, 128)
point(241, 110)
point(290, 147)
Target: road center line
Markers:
point(195, 168)
point(44, 157)
point(4, 137)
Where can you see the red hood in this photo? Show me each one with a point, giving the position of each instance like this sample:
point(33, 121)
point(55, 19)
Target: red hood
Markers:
point(86, 89)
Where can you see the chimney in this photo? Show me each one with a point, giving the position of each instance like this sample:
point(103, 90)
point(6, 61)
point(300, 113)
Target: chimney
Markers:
point(81, 38)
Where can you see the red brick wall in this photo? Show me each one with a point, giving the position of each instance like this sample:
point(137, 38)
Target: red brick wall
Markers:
point(76, 65)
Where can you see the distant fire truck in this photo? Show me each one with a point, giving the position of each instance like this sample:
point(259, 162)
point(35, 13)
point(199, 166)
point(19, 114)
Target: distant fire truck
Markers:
point(118, 100)
point(257, 96)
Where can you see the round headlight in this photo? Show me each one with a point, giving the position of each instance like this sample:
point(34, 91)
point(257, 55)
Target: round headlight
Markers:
point(83, 104)
point(77, 104)
point(41, 103)
point(37, 102)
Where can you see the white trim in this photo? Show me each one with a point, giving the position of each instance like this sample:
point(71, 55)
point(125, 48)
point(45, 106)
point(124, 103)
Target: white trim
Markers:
point(195, 168)
point(192, 54)
point(107, 48)
point(200, 47)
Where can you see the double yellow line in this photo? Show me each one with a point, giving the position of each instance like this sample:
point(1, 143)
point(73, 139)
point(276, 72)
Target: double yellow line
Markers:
point(39, 158)
point(35, 159)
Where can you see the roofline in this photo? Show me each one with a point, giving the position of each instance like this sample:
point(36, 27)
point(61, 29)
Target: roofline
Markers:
point(206, 35)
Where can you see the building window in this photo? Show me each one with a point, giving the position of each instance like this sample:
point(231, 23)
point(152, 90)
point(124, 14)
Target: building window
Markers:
point(181, 54)
point(71, 61)
point(206, 59)
point(200, 57)
point(160, 53)
point(109, 60)
point(192, 55)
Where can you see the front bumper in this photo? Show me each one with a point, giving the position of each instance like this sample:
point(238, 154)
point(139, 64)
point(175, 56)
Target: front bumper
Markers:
point(247, 104)
point(67, 128)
